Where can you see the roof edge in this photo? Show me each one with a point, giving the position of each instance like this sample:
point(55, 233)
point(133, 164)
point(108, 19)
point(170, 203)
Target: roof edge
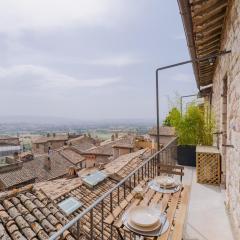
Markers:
point(185, 13)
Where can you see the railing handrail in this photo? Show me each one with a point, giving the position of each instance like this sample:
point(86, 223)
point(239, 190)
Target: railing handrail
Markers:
point(100, 199)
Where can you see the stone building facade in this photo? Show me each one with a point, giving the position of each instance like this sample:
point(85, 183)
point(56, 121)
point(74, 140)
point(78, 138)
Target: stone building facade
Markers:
point(212, 28)
point(42, 144)
point(226, 109)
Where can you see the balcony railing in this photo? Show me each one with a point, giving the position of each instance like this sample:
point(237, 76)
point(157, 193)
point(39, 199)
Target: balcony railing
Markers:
point(90, 223)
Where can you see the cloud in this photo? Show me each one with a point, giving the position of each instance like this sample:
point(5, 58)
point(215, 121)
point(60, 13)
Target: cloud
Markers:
point(35, 78)
point(21, 15)
point(183, 78)
point(119, 61)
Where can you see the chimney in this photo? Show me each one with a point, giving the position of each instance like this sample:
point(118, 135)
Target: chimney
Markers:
point(54, 134)
point(16, 156)
point(116, 135)
point(47, 163)
point(112, 137)
point(72, 172)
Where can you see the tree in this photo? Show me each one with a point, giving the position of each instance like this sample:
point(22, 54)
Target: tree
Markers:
point(193, 127)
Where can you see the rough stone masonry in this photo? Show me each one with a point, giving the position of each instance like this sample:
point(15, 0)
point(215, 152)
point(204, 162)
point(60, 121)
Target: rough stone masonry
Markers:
point(228, 69)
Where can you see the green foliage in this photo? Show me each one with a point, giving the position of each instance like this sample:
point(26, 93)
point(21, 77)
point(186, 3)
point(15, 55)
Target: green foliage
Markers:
point(192, 128)
point(173, 118)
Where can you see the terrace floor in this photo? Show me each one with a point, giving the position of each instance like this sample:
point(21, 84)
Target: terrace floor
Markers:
point(207, 218)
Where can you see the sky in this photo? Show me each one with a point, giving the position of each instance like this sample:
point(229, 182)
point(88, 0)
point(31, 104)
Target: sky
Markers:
point(91, 59)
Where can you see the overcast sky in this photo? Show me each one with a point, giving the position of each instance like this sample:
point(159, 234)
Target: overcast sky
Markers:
point(92, 59)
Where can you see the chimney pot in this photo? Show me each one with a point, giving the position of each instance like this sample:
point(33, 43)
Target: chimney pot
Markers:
point(112, 137)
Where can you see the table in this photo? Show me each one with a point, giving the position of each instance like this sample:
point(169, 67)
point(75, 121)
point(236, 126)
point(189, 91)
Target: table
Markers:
point(175, 204)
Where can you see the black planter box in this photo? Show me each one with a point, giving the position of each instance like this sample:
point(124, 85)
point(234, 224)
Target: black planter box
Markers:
point(186, 155)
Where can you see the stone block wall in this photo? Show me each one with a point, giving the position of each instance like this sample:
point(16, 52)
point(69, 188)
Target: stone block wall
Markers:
point(228, 67)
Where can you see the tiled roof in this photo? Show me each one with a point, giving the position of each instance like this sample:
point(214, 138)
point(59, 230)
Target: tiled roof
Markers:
point(59, 166)
point(82, 143)
point(106, 148)
point(72, 155)
point(88, 196)
point(205, 24)
point(6, 137)
point(16, 177)
point(164, 131)
point(119, 163)
point(63, 187)
point(44, 139)
point(32, 213)
point(36, 170)
point(29, 214)
point(57, 188)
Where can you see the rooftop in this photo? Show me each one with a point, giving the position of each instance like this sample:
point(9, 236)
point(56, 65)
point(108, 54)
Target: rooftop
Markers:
point(82, 143)
point(106, 147)
point(164, 131)
point(44, 139)
point(204, 23)
point(36, 170)
point(33, 212)
point(71, 154)
point(29, 214)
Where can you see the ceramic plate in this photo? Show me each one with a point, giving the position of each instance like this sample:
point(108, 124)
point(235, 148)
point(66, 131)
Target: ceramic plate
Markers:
point(156, 187)
point(143, 216)
point(165, 181)
point(156, 233)
point(145, 229)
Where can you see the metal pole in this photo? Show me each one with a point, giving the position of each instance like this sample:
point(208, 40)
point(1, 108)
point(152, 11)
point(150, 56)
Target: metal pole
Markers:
point(191, 95)
point(181, 104)
point(175, 65)
point(157, 104)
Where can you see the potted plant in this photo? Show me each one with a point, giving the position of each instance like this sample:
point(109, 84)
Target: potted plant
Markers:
point(192, 129)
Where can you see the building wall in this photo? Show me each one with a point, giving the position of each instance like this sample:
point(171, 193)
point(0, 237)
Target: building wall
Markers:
point(41, 148)
point(102, 159)
point(141, 144)
point(120, 151)
point(164, 140)
point(10, 141)
point(228, 68)
point(123, 151)
point(38, 148)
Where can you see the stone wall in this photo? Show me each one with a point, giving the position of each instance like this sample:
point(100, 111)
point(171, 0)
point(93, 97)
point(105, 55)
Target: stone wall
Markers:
point(228, 67)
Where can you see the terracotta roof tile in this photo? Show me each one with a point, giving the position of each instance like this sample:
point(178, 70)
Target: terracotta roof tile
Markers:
point(119, 163)
point(16, 177)
point(44, 139)
point(72, 155)
point(164, 131)
point(82, 143)
point(59, 166)
point(29, 215)
point(107, 147)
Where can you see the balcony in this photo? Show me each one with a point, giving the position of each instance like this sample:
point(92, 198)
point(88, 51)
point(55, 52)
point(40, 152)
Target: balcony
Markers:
point(100, 220)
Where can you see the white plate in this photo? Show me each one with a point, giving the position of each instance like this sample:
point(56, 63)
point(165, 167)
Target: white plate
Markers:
point(165, 181)
point(143, 216)
point(145, 229)
point(156, 233)
point(155, 186)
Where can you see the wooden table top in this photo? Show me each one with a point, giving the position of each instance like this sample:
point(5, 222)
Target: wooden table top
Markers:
point(175, 205)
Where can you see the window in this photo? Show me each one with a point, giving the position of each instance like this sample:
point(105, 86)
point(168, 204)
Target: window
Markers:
point(94, 178)
point(70, 205)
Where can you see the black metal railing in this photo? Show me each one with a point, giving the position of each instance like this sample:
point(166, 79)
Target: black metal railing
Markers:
point(89, 224)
